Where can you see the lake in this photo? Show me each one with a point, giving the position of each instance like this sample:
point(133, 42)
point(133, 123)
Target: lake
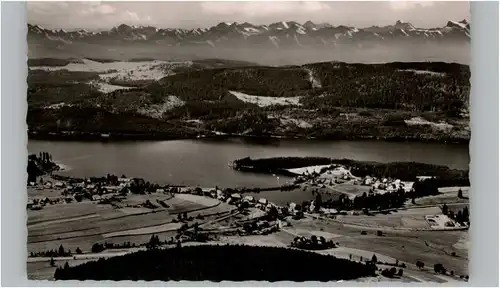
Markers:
point(205, 162)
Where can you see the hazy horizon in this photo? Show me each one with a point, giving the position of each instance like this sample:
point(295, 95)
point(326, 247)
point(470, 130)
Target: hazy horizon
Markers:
point(101, 15)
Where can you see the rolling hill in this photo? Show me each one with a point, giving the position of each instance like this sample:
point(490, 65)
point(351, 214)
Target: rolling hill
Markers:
point(420, 101)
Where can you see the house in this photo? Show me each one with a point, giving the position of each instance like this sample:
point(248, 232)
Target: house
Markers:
point(81, 185)
point(312, 206)
point(160, 190)
point(283, 223)
point(124, 180)
point(111, 188)
point(213, 193)
point(184, 190)
point(36, 207)
point(263, 201)
point(220, 195)
point(236, 196)
point(269, 206)
point(328, 211)
point(249, 199)
point(59, 185)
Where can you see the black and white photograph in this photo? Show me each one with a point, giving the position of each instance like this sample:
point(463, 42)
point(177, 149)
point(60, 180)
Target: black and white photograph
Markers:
point(249, 141)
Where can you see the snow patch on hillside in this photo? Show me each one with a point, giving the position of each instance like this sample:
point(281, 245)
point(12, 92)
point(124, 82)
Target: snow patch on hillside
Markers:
point(58, 106)
point(295, 122)
point(432, 73)
point(141, 70)
point(107, 88)
point(264, 101)
point(420, 121)
point(157, 110)
point(275, 41)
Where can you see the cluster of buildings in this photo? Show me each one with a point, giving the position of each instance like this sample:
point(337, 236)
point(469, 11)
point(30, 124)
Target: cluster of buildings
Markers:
point(383, 185)
point(76, 191)
point(329, 176)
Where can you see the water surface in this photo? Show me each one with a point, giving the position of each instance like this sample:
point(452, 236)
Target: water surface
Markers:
point(205, 162)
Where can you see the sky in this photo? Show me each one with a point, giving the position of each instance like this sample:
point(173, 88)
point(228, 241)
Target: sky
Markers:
point(99, 15)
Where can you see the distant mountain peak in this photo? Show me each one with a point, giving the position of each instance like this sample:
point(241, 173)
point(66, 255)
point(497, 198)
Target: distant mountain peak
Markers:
point(460, 25)
point(404, 25)
point(276, 35)
point(223, 25)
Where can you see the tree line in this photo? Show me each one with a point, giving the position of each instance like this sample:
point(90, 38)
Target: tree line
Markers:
point(405, 171)
point(60, 252)
point(461, 216)
point(39, 165)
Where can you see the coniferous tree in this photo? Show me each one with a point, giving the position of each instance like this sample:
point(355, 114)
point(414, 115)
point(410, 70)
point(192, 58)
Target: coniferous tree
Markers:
point(61, 250)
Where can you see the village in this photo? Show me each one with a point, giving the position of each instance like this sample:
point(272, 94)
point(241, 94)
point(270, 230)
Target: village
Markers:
point(111, 215)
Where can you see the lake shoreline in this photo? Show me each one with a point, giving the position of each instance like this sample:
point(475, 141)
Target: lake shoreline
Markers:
point(103, 137)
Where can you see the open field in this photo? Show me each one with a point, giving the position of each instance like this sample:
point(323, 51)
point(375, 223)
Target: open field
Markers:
point(264, 101)
point(69, 210)
point(448, 195)
point(140, 70)
point(430, 247)
point(422, 218)
point(43, 270)
point(351, 189)
point(402, 219)
point(427, 246)
point(89, 222)
point(148, 230)
point(407, 247)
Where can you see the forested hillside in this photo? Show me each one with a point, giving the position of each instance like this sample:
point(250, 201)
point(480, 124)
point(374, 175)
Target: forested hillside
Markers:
point(420, 101)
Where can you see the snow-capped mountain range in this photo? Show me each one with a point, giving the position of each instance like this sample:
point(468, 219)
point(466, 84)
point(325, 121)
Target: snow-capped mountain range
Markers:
point(276, 35)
